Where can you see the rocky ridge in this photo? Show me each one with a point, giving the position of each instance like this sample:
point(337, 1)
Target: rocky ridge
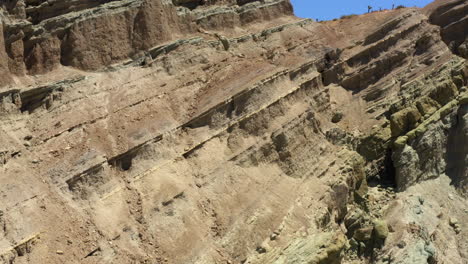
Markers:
point(151, 131)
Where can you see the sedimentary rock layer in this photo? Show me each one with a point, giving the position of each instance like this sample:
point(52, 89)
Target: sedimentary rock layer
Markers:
point(150, 131)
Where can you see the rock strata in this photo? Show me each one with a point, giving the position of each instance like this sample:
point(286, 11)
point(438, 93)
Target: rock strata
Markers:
point(222, 131)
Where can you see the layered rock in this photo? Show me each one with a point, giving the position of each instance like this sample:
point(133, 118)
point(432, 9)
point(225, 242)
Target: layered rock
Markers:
point(4, 76)
point(453, 20)
point(231, 132)
point(84, 34)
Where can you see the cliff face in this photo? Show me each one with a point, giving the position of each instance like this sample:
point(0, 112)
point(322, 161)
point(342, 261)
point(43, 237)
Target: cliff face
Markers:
point(451, 17)
point(155, 131)
point(4, 71)
point(92, 34)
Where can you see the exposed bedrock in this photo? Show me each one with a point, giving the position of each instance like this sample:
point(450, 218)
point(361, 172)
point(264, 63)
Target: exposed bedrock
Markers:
point(183, 131)
point(92, 34)
point(4, 69)
point(453, 19)
point(425, 147)
point(457, 150)
point(387, 50)
point(437, 148)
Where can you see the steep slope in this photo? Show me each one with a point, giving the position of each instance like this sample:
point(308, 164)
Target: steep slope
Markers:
point(91, 34)
point(153, 131)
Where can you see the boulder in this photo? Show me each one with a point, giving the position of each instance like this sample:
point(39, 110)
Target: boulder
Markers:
point(363, 234)
point(404, 120)
point(444, 93)
point(380, 231)
point(427, 106)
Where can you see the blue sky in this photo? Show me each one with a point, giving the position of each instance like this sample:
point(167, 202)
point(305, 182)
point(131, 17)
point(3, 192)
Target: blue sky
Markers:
point(329, 9)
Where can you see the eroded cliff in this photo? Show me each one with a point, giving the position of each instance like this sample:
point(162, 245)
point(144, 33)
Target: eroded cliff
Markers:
point(155, 131)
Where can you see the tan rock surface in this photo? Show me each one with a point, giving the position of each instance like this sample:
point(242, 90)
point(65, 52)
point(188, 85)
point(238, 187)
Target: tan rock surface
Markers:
point(156, 131)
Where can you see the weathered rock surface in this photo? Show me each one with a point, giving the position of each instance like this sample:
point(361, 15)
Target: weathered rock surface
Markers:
point(92, 34)
point(222, 131)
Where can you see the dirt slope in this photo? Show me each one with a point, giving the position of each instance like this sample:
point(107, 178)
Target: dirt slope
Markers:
point(222, 131)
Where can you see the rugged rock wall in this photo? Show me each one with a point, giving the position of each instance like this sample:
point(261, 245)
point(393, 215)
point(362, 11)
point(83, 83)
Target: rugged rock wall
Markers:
point(150, 131)
point(92, 34)
point(451, 17)
point(4, 70)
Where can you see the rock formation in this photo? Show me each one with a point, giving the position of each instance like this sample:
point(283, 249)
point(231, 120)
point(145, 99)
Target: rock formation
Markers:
point(230, 131)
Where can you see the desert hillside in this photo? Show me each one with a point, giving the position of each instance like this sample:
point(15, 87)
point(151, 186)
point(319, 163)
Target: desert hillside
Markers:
point(231, 131)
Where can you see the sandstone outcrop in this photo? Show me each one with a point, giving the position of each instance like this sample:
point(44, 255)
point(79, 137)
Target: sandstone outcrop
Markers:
point(92, 34)
point(222, 131)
